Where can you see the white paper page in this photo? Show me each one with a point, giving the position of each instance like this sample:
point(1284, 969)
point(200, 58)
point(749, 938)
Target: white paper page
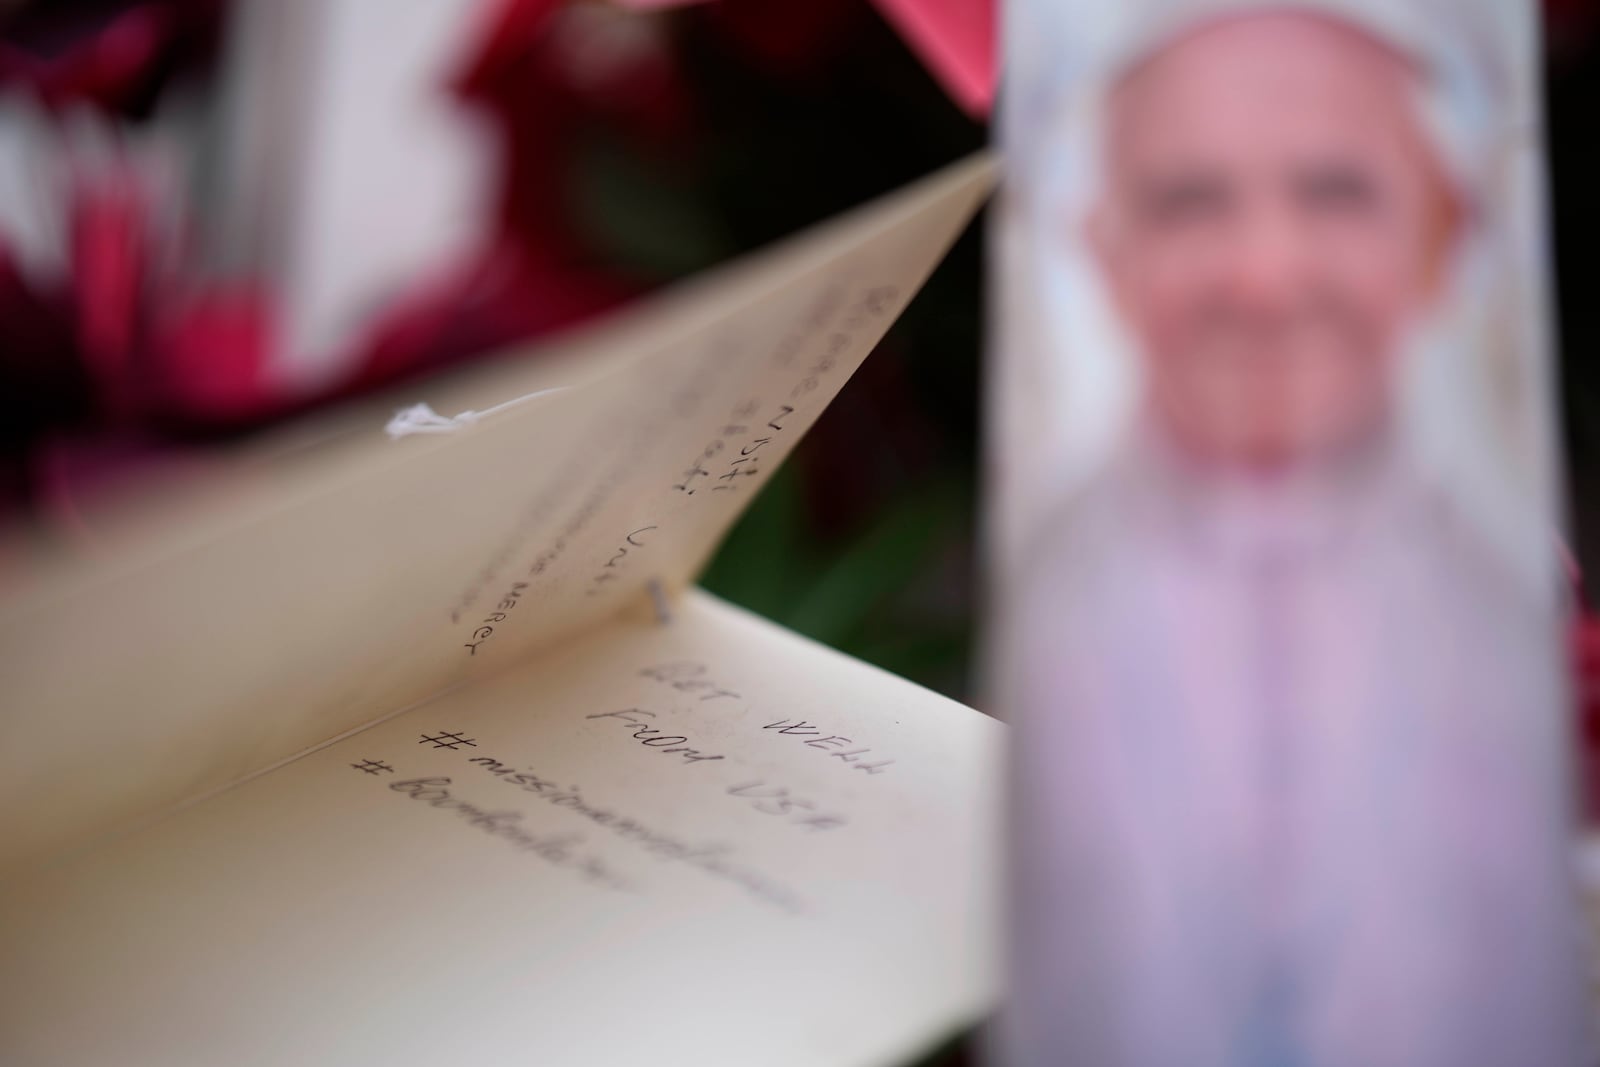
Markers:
point(795, 869)
point(307, 590)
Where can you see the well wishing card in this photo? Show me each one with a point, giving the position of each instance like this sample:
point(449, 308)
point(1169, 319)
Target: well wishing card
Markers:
point(372, 750)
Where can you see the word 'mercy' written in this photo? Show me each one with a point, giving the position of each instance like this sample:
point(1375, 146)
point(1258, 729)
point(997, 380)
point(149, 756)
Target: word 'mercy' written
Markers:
point(833, 744)
point(634, 444)
point(526, 522)
point(499, 614)
point(484, 629)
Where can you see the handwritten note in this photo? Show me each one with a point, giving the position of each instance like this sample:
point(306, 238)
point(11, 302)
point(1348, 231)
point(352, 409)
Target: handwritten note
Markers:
point(506, 867)
point(329, 576)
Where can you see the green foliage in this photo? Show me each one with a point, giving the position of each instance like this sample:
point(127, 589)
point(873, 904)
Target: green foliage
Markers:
point(883, 593)
point(863, 540)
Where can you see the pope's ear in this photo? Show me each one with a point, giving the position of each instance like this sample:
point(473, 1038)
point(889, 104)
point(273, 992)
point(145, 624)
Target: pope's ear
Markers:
point(1447, 226)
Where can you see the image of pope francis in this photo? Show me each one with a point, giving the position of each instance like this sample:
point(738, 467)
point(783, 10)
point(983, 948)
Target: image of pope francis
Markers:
point(1289, 778)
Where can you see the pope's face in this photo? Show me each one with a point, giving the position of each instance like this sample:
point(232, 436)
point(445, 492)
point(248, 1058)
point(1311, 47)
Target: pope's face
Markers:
point(1273, 219)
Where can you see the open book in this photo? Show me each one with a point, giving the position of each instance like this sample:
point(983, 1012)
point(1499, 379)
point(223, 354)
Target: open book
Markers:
point(424, 750)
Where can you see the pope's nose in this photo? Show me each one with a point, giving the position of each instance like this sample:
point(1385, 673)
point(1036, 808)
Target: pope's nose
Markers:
point(1263, 265)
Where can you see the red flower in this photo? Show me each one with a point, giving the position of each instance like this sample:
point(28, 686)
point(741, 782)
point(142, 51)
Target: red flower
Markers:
point(1585, 651)
point(545, 73)
point(115, 66)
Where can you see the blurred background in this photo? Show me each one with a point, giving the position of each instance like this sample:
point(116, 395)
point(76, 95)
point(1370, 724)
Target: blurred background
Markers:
point(215, 216)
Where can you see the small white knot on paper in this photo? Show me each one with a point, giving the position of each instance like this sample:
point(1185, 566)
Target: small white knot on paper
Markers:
point(420, 418)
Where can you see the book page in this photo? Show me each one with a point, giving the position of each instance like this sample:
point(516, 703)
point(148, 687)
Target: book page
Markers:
point(706, 842)
point(332, 576)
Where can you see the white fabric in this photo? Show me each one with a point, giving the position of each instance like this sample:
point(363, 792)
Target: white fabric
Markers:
point(1289, 782)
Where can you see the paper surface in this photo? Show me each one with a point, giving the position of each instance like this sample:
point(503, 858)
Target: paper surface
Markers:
point(709, 842)
point(332, 576)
